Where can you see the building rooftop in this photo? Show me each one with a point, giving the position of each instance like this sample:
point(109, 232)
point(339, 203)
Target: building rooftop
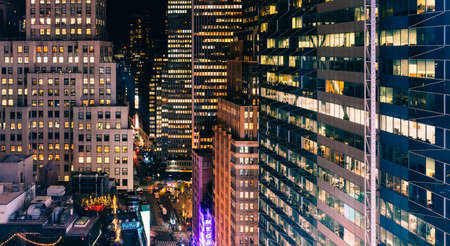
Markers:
point(203, 152)
point(82, 228)
point(7, 197)
point(86, 174)
point(240, 100)
point(13, 158)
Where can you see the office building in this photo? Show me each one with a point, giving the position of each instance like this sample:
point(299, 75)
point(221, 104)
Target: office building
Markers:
point(105, 146)
point(312, 123)
point(65, 20)
point(140, 67)
point(236, 166)
point(177, 87)
point(213, 28)
point(58, 96)
point(156, 93)
point(202, 183)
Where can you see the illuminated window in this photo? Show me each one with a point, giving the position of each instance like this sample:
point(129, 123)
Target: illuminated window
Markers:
point(430, 167)
point(334, 87)
point(264, 27)
point(425, 6)
point(296, 22)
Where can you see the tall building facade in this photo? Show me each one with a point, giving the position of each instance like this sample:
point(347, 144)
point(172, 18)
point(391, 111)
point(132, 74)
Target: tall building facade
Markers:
point(312, 119)
point(65, 19)
point(177, 88)
point(236, 172)
point(156, 94)
point(59, 93)
point(214, 24)
point(141, 59)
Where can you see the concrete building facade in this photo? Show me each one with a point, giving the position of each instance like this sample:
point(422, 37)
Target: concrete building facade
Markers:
point(236, 173)
point(46, 83)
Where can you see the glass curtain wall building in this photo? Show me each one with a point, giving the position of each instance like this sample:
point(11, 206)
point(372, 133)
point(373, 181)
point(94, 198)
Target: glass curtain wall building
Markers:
point(312, 123)
point(214, 24)
point(177, 92)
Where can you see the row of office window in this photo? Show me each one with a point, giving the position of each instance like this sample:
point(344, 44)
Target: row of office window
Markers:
point(59, 1)
point(409, 128)
point(102, 160)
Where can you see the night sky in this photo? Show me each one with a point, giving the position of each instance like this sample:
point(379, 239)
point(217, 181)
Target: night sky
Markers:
point(119, 12)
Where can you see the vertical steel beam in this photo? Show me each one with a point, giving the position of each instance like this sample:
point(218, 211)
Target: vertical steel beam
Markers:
point(370, 154)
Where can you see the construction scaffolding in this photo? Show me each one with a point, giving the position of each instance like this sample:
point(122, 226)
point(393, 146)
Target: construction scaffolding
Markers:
point(370, 126)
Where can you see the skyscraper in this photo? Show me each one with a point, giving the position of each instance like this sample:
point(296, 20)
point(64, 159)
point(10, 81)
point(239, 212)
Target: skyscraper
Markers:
point(59, 93)
point(214, 24)
point(236, 172)
point(140, 58)
point(156, 93)
point(312, 123)
point(177, 92)
point(236, 150)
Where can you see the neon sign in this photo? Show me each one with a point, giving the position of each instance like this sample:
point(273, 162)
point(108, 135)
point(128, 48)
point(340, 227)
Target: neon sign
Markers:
point(206, 237)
